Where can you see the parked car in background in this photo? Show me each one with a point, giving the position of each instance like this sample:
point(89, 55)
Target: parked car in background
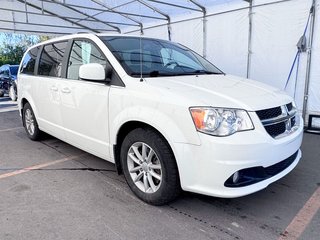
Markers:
point(167, 117)
point(8, 81)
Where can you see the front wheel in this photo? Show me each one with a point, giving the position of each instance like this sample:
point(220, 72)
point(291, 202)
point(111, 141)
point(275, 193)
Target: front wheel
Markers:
point(30, 123)
point(149, 167)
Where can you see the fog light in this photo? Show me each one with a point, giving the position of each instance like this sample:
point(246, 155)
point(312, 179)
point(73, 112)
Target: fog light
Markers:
point(235, 177)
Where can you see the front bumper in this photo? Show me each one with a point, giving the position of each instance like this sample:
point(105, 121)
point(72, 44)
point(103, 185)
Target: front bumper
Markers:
point(204, 169)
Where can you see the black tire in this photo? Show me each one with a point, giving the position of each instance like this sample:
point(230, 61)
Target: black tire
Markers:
point(169, 188)
point(1, 93)
point(13, 93)
point(33, 135)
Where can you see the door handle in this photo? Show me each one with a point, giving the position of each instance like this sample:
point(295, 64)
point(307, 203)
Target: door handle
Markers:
point(54, 88)
point(65, 90)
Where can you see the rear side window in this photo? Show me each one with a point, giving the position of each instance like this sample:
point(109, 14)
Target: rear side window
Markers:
point(51, 59)
point(29, 61)
point(83, 52)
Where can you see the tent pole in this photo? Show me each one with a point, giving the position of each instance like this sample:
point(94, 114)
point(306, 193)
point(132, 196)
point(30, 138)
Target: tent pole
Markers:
point(148, 5)
point(204, 26)
point(26, 8)
point(309, 58)
point(169, 31)
point(249, 39)
point(14, 21)
point(204, 36)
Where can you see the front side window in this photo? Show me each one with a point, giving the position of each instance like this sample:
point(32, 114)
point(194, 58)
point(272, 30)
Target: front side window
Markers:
point(154, 57)
point(51, 59)
point(83, 52)
point(29, 61)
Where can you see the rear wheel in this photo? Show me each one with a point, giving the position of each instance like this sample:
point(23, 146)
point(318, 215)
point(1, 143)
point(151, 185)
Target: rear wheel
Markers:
point(12, 93)
point(1, 93)
point(149, 167)
point(30, 123)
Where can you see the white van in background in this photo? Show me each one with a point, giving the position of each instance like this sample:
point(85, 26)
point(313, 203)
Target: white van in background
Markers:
point(167, 118)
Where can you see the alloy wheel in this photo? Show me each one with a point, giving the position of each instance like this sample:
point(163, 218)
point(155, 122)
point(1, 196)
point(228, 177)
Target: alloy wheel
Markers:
point(29, 122)
point(144, 167)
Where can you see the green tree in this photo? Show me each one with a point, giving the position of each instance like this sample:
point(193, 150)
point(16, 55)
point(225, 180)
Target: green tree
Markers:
point(13, 46)
point(11, 54)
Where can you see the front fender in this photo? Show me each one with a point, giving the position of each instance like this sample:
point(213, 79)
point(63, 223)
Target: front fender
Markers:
point(174, 133)
point(167, 113)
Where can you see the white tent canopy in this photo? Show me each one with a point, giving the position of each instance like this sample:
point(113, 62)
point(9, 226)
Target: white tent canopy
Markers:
point(255, 39)
point(69, 16)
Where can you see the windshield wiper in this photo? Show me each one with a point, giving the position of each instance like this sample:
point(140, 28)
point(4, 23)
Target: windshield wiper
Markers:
point(156, 73)
point(135, 74)
point(152, 74)
point(206, 72)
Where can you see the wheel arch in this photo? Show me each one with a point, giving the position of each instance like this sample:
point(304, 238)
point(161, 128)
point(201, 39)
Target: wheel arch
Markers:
point(25, 100)
point(123, 132)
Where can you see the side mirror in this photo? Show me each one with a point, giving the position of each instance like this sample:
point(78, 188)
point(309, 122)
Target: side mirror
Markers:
point(92, 72)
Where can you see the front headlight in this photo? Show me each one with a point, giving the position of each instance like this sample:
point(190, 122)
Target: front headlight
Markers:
point(220, 121)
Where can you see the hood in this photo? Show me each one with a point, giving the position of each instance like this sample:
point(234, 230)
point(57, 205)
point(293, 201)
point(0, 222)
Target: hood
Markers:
point(223, 91)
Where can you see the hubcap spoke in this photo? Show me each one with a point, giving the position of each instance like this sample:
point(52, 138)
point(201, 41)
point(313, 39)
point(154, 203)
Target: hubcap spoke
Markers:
point(145, 182)
point(136, 152)
point(32, 128)
point(144, 151)
point(139, 176)
point(155, 175)
point(155, 166)
point(133, 170)
point(136, 160)
point(151, 154)
point(151, 183)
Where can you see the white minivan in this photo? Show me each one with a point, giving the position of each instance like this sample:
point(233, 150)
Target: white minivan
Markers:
point(166, 117)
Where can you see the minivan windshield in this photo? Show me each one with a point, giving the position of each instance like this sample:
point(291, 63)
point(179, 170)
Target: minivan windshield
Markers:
point(154, 57)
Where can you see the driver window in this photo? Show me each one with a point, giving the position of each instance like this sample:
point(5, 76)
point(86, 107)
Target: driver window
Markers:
point(83, 52)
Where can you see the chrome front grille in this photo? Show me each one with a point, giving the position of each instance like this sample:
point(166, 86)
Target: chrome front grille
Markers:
point(279, 121)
